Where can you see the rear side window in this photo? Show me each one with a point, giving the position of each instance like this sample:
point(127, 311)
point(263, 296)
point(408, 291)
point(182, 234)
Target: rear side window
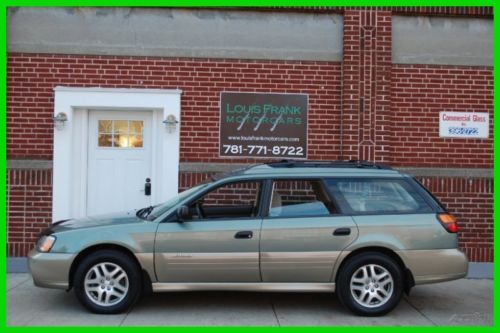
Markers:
point(378, 196)
point(294, 198)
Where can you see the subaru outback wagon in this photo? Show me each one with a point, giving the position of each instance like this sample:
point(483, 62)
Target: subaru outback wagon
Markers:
point(363, 230)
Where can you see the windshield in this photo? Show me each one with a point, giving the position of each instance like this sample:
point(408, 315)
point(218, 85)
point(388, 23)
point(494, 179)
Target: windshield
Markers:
point(158, 210)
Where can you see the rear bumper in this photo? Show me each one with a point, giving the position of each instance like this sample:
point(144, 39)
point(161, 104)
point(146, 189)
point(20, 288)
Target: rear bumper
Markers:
point(50, 270)
point(430, 266)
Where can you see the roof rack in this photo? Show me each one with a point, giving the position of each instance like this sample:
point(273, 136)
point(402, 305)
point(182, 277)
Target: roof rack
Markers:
point(327, 164)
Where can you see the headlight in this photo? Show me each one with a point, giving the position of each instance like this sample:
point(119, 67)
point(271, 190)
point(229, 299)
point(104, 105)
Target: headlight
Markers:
point(45, 243)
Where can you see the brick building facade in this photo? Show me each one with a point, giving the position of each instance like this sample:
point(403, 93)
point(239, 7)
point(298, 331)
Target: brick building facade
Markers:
point(372, 102)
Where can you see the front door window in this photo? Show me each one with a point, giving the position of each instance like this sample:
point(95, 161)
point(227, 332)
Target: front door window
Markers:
point(230, 201)
point(120, 133)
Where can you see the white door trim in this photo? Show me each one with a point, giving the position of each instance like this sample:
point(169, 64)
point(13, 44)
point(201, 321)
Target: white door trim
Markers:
point(70, 143)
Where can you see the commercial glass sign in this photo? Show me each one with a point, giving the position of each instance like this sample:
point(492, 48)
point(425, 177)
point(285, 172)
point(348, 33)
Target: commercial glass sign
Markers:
point(464, 124)
point(263, 125)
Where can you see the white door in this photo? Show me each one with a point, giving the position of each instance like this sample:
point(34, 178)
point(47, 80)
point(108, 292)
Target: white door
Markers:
point(119, 161)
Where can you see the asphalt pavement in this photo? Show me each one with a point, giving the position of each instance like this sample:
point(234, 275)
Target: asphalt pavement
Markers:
point(466, 302)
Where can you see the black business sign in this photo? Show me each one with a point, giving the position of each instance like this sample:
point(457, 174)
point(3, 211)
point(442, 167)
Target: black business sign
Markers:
point(263, 125)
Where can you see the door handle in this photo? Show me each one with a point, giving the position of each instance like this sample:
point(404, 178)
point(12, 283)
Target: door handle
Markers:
point(244, 234)
point(342, 232)
point(147, 187)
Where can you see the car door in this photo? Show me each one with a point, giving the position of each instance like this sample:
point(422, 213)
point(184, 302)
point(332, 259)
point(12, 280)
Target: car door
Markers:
point(303, 232)
point(217, 242)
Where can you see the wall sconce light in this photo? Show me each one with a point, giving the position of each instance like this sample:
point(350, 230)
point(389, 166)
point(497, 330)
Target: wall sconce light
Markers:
point(60, 120)
point(171, 123)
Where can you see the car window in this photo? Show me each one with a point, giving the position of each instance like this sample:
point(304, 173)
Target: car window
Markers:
point(291, 198)
point(229, 201)
point(164, 207)
point(379, 195)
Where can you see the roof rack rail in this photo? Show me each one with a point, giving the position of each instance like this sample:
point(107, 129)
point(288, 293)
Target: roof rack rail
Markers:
point(327, 164)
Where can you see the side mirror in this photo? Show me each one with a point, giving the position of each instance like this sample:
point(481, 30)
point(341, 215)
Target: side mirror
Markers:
point(182, 213)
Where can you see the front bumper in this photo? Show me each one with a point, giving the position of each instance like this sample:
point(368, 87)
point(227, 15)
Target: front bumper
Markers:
point(50, 270)
point(430, 266)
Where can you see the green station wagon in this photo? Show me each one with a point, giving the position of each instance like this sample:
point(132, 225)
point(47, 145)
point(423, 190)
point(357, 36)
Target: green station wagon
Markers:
point(362, 230)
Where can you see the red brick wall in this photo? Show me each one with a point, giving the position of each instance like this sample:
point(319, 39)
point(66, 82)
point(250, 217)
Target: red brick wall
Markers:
point(31, 78)
point(409, 137)
point(471, 201)
point(419, 93)
point(29, 208)
point(189, 179)
point(366, 85)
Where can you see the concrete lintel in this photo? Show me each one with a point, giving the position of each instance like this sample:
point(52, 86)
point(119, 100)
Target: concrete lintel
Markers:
point(442, 40)
point(29, 164)
point(176, 32)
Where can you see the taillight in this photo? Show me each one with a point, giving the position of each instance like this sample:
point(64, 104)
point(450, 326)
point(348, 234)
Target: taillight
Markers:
point(449, 222)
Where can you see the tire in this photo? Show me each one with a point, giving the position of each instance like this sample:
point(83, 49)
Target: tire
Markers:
point(368, 294)
point(107, 282)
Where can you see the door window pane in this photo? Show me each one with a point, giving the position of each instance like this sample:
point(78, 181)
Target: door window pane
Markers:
point(135, 140)
point(379, 196)
point(230, 201)
point(121, 140)
point(120, 133)
point(120, 126)
point(136, 126)
point(299, 198)
point(105, 126)
point(105, 140)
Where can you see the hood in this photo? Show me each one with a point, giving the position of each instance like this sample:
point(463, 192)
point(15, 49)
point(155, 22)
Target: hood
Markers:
point(96, 221)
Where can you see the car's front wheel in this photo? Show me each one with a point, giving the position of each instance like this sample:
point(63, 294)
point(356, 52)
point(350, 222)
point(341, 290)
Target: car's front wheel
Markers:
point(370, 284)
point(107, 282)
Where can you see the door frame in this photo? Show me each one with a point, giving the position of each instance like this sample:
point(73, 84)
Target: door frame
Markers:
point(69, 198)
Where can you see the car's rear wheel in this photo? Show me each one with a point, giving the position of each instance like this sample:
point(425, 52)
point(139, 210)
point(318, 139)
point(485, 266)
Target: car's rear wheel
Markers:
point(107, 282)
point(370, 284)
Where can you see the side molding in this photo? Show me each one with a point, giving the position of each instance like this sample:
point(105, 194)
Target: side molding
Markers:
point(259, 286)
